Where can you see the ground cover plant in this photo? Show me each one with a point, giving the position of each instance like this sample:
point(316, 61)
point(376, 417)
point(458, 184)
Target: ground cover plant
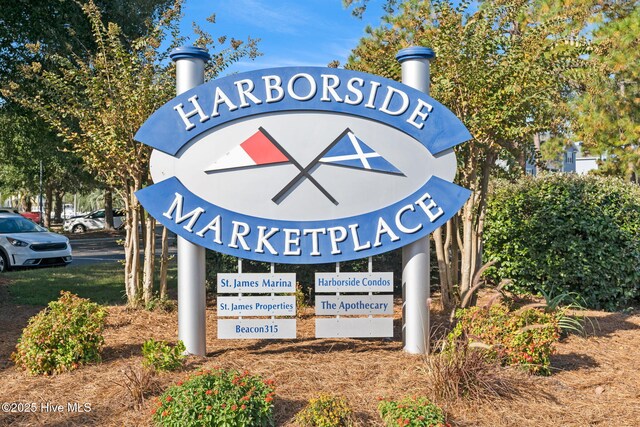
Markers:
point(326, 410)
point(162, 356)
point(66, 334)
point(218, 397)
point(412, 412)
point(566, 233)
point(525, 337)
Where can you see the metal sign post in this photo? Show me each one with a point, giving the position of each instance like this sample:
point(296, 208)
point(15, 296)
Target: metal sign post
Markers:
point(191, 257)
point(415, 256)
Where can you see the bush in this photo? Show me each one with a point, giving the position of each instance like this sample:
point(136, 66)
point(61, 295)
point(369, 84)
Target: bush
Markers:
point(326, 411)
point(217, 398)
point(412, 412)
point(465, 372)
point(61, 337)
point(161, 356)
point(569, 233)
point(526, 337)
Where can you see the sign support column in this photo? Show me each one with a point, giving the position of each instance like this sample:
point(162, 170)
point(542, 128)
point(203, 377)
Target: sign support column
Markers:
point(192, 300)
point(415, 256)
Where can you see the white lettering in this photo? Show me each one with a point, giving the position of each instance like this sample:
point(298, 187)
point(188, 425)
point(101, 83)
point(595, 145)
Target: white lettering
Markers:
point(383, 228)
point(401, 226)
point(357, 92)
point(372, 95)
point(197, 110)
point(214, 225)
point(356, 239)
point(333, 236)
point(289, 242)
point(244, 93)
point(314, 239)
point(219, 98)
point(418, 113)
point(312, 87)
point(263, 239)
point(387, 101)
point(330, 88)
point(177, 207)
point(428, 208)
point(273, 83)
point(238, 236)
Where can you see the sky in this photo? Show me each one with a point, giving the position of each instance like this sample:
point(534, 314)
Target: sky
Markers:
point(292, 32)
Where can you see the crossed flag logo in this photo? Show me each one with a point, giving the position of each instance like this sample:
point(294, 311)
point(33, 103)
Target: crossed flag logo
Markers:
point(261, 149)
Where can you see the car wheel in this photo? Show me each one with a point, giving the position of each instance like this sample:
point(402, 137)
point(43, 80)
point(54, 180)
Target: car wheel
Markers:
point(78, 228)
point(4, 264)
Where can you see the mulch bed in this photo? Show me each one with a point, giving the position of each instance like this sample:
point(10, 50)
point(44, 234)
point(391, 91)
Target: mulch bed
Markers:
point(595, 379)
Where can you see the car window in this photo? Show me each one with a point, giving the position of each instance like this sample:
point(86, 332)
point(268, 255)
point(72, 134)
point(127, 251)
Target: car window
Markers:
point(97, 215)
point(19, 225)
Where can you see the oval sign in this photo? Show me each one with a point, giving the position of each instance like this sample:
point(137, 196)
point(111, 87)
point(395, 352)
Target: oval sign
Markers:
point(302, 165)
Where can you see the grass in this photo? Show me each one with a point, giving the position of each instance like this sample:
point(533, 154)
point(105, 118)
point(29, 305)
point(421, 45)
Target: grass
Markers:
point(102, 283)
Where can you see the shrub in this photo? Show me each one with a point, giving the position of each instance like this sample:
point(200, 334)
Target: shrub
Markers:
point(412, 412)
point(326, 411)
point(461, 371)
point(525, 337)
point(161, 356)
point(569, 234)
point(66, 334)
point(217, 398)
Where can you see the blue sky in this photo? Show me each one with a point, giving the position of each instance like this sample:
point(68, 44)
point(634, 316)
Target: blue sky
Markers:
point(292, 32)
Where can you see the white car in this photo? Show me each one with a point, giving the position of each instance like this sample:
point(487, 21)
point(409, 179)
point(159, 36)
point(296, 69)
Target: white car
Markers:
point(25, 244)
point(92, 221)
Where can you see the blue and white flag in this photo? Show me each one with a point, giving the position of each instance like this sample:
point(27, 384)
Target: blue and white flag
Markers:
point(351, 152)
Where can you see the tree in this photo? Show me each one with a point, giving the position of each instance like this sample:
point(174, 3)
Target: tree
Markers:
point(506, 70)
point(58, 27)
point(607, 112)
point(24, 143)
point(98, 102)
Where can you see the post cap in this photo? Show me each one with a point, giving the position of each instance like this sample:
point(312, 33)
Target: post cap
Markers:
point(415, 52)
point(184, 52)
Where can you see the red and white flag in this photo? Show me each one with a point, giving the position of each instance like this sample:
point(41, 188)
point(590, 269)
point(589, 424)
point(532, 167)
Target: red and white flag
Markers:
point(257, 150)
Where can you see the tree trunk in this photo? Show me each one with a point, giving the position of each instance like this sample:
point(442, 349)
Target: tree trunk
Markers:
point(443, 268)
point(57, 207)
point(108, 209)
point(164, 261)
point(46, 215)
point(149, 258)
point(132, 247)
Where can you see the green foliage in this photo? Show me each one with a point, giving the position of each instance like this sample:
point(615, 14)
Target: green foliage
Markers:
point(161, 356)
point(562, 303)
point(218, 398)
point(569, 234)
point(607, 112)
point(326, 410)
point(61, 337)
point(412, 412)
point(525, 337)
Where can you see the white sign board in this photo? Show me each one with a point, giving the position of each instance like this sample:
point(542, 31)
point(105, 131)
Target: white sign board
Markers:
point(354, 282)
point(257, 306)
point(331, 305)
point(256, 283)
point(256, 328)
point(354, 327)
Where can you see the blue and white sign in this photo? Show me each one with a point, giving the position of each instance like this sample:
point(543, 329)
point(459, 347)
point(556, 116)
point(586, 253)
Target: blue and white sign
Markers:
point(303, 165)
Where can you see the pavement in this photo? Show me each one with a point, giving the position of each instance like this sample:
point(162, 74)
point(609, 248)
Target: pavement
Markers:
point(93, 248)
